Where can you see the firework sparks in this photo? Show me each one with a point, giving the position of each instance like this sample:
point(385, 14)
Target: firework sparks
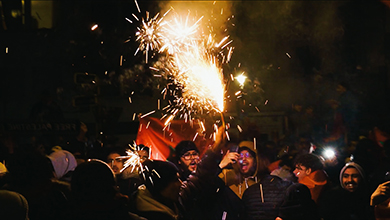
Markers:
point(192, 62)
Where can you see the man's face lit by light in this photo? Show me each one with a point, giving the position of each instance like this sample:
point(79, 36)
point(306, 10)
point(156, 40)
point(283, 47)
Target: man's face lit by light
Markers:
point(115, 163)
point(351, 179)
point(190, 160)
point(301, 171)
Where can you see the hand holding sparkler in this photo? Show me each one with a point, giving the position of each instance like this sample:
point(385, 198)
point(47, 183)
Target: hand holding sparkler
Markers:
point(220, 139)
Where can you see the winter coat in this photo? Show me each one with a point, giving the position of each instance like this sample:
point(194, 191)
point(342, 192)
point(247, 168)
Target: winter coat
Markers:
point(263, 199)
point(233, 178)
point(196, 190)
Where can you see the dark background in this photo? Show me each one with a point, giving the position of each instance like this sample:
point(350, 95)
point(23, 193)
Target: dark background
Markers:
point(328, 42)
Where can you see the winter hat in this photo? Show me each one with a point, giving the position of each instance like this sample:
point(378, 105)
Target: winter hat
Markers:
point(348, 165)
point(13, 206)
point(63, 161)
point(184, 146)
point(157, 175)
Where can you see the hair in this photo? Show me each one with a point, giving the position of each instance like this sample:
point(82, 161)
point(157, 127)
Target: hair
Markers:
point(183, 147)
point(157, 175)
point(311, 161)
point(143, 147)
point(118, 150)
point(93, 180)
point(262, 165)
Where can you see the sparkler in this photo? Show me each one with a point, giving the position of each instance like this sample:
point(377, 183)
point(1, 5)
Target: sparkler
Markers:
point(192, 62)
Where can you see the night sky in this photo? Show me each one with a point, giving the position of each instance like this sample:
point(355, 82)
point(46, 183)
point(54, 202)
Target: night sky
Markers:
point(292, 51)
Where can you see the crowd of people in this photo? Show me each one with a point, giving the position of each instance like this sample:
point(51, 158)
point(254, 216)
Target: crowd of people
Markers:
point(237, 178)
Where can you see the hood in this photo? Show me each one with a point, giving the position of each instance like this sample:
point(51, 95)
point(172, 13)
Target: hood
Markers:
point(146, 203)
point(316, 178)
point(354, 165)
point(63, 161)
point(248, 144)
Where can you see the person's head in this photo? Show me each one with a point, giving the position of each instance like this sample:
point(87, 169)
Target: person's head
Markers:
point(14, 206)
point(304, 143)
point(187, 155)
point(306, 164)
point(351, 177)
point(161, 178)
point(63, 162)
point(93, 180)
point(298, 204)
point(143, 152)
point(113, 159)
point(248, 158)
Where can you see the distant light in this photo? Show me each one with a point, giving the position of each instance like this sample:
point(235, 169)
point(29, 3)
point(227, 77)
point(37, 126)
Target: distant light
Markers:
point(94, 27)
point(241, 79)
point(6, 50)
point(329, 153)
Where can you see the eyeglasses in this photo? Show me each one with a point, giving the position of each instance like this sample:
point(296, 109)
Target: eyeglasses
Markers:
point(189, 156)
point(245, 155)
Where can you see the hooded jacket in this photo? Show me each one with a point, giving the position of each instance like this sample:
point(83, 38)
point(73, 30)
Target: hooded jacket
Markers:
point(233, 178)
point(354, 165)
point(63, 162)
point(340, 204)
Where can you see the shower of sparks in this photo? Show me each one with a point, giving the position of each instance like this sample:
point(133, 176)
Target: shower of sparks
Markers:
point(133, 158)
point(133, 161)
point(148, 35)
point(192, 64)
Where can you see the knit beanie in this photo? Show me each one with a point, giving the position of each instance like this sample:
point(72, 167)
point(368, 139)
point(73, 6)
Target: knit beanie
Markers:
point(157, 175)
point(184, 146)
point(354, 165)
